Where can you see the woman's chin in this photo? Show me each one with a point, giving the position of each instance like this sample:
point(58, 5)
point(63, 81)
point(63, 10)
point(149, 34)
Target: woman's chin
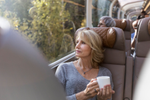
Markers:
point(77, 55)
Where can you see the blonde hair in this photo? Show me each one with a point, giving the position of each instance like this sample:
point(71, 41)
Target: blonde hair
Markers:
point(92, 39)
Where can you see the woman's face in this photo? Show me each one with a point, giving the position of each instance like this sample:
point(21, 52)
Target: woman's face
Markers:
point(101, 23)
point(82, 49)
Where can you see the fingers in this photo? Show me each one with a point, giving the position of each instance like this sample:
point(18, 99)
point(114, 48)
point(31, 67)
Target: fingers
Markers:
point(93, 85)
point(106, 92)
point(101, 92)
point(92, 92)
point(113, 91)
point(92, 88)
point(93, 80)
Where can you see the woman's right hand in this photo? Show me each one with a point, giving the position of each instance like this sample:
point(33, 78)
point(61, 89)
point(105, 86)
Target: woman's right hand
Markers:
point(92, 89)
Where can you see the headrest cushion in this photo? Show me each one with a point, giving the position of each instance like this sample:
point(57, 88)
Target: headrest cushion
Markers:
point(121, 23)
point(107, 34)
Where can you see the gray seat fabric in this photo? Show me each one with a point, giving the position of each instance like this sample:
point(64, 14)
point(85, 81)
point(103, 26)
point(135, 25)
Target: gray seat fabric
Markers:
point(142, 47)
point(129, 62)
point(126, 26)
point(115, 61)
point(127, 32)
point(128, 78)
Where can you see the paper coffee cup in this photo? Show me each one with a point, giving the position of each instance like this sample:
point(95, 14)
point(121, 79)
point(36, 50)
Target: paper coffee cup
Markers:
point(103, 80)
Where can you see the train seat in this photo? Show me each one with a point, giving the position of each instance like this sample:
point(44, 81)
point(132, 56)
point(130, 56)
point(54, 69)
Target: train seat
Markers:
point(142, 47)
point(125, 25)
point(114, 57)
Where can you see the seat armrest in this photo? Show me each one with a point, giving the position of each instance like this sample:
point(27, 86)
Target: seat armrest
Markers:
point(128, 78)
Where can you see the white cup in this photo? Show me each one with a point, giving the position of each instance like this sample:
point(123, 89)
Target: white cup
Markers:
point(103, 80)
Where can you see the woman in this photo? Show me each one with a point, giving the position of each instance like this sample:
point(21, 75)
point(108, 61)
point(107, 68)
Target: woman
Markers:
point(79, 77)
point(106, 21)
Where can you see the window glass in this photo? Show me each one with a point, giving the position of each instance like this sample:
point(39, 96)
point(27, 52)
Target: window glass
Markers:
point(48, 24)
point(100, 8)
point(115, 10)
point(133, 17)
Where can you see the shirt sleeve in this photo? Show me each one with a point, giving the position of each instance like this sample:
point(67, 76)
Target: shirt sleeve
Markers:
point(60, 74)
point(72, 97)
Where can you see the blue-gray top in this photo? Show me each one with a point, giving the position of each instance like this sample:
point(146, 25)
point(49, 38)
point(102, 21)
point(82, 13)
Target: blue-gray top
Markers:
point(73, 82)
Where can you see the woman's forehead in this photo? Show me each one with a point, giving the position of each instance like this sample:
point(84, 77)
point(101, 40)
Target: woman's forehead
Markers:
point(101, 21)
point(81, 36)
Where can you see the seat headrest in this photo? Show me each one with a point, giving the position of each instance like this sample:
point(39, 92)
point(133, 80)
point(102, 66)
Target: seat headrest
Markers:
point(144, 30)
point(112, 37)
point(121, 23)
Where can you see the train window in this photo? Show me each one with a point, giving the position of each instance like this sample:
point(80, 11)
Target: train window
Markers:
point(115, 10)
point(100, 8)
point(48, 24)
point(134, 17)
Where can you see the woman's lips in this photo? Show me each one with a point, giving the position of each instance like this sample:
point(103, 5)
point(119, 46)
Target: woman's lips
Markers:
point(77, 51)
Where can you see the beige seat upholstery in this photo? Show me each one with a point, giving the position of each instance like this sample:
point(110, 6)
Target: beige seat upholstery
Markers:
point(142, 47)
point(114, 58)
point(126, 26)
point(115, 61)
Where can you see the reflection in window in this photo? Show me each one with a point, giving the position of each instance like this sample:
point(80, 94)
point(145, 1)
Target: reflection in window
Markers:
point(48, 24)
point(100, 8)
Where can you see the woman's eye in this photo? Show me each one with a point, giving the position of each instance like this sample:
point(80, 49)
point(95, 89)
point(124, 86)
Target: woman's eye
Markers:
point(83, 42)
point(76, 42)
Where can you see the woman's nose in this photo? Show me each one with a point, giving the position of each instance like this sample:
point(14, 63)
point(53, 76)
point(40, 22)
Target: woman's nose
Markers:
point(78, 45)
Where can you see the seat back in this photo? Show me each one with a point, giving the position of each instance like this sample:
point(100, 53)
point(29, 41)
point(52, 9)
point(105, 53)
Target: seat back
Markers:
point(114, 57)
point(142, 47)
point(126, 26)
point(115, 61)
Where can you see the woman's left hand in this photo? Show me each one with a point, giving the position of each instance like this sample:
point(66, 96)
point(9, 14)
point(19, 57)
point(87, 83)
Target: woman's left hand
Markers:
point(105, 93)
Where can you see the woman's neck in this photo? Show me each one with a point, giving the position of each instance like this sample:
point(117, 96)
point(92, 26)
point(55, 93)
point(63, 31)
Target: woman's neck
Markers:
point(85, 63)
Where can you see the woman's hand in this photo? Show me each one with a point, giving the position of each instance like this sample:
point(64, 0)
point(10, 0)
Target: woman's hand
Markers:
point(92, 89)
point(105, 93)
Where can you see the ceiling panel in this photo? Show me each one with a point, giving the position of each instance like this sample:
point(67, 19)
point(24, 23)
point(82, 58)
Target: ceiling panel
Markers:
point(134, 5)
point(124, 2)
